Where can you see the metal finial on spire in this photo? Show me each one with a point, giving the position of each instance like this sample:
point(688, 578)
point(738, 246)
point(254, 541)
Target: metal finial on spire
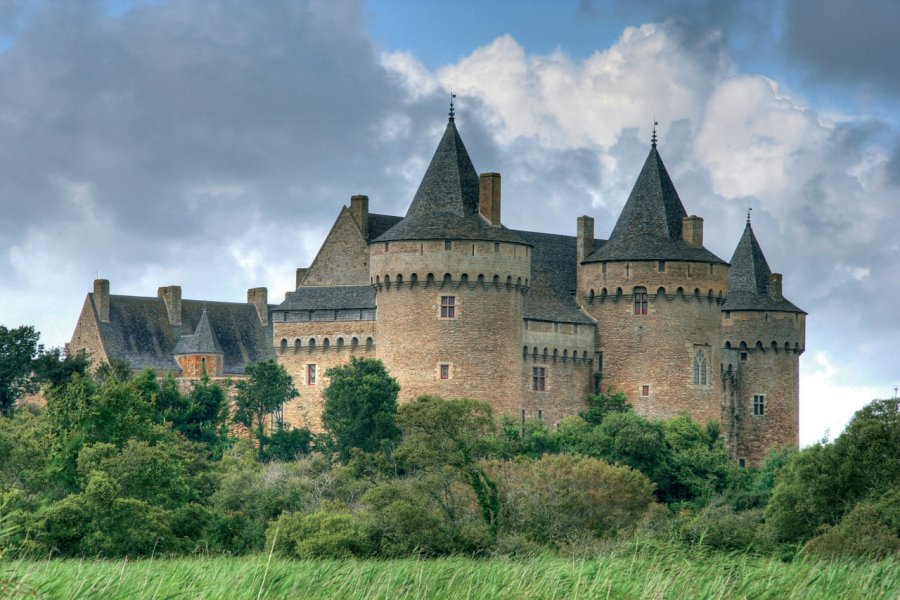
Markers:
point(748, 214)
point(653, 136)
point(452, 112)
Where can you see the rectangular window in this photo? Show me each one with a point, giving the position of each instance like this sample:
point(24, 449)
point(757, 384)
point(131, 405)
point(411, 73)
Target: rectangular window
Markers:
point(742, 463)
point(540, 415)
point(759, 405)
point(310, 374)
point(445, 371)
point(446, 244)
point(645, 390)
point(744, 356)
point(640, 301)
point(386, 247)
point(661, 266)
point(603, 268)
point(538, 378)
point(727, 314)
point(496, 247)
point(448, 307)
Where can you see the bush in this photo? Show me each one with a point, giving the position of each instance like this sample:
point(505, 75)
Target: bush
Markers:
point(558, 497)
point(324, 534)
point(870, 530)
point(720, 527)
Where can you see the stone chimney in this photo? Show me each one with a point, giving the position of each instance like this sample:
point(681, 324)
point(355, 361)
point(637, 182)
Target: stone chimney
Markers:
point(585, 237)
point(489, 197)
point(692, 231)
point(301, 273)
point(775, 287)
point(172, 296)
point(101, 299)
point(359, 208)
point(259, 297)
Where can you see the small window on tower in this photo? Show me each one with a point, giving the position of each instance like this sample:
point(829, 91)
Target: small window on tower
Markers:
point(448, 307)
point(538, 378)
point(496, 247)
point(744, 356)
point(446, 244)
point(645, 390)
point(603, 268)
point(445, 371)
point(310, 374)
point(640, 301)
point(759, 405)
point(661, 266)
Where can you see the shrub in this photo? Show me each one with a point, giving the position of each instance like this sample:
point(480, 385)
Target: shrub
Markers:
point(870, 530)
point(560, 496)
point(720, 527)
point(324, 534)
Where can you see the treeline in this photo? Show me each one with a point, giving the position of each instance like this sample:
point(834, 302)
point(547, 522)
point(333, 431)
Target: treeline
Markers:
point(119, 464)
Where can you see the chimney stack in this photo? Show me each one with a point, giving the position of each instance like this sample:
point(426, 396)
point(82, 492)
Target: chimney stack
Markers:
point(359, 208)
point(775, 287)
point(101, 299)
point(301, 273)
point(489, 197)
point(585, 237)
point(692, 231)
point(172, 296)
point(259, 297)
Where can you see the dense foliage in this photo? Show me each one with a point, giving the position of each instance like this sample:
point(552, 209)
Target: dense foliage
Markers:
point(121, 464)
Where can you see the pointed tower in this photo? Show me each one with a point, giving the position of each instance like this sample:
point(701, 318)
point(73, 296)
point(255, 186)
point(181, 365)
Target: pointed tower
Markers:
point(656, 294)
point(450, 284)
point(200, 352)
point(763, 335)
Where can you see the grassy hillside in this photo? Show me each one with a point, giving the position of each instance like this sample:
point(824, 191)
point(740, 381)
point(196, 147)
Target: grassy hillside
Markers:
point(642, 573)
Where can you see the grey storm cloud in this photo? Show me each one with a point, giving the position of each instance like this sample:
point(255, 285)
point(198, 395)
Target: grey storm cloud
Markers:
point(840, 41)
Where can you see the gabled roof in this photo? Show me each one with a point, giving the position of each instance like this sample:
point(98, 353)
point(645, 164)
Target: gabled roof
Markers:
point(203, 341)
point(139, 332)
point(649, 226)
point(748, 279)
point(346, 297)
point(446, 203)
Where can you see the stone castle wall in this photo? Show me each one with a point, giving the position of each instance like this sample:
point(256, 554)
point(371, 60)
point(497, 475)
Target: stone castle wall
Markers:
point(87, 335)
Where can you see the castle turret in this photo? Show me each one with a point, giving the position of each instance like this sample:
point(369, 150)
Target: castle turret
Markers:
point(656, 294)
point(763, 335)
point(450, 283)
point(200, 352)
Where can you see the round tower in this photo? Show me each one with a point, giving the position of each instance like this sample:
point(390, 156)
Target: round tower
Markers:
point(763, 335)
point(450, 284)
point(657, 295)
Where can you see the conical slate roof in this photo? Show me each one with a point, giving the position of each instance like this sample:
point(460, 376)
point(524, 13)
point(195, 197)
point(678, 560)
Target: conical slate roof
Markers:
point(203, 341)
point(446, 203)
point(748, 279)
point(649, 227)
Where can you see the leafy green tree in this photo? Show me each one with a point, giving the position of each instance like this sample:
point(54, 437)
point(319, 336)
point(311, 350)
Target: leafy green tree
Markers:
point(201, 415)
point(265, 390)
point(55, 369)
point(455, 434)
point(602, 404)
point(360, 409)
point(18, 348)
point(288, 444)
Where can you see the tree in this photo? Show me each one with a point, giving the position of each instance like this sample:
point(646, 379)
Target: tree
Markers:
point(200, 415)
point(603, 404)
point(267, 387)
point(361, 407)
point(18, 348)
point(440, 433)
point(55, 368)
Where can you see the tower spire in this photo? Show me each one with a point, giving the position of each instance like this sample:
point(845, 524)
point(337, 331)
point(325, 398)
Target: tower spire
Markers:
point(452, 112)
point(748, 214)
point(653, 135)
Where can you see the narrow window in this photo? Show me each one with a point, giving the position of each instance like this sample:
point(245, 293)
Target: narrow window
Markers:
point(640, 301)
point(310, 374)
point(742, 463)
point(700, 368)
point(445, 371)
point(540, 415)
point(727, 314)
point(759, 405)
point(496, 247)
point(744, 356)
point(538, 378)
point(448, 307)
point(446, 244)
point(645, 390)
point(661, 266)
point(386, 247)
point(603, 268)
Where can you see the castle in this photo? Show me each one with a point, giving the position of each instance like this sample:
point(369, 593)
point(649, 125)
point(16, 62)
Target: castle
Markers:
point(456, 304)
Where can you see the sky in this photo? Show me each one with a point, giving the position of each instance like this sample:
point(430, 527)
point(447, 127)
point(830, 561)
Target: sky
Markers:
point(211, 144)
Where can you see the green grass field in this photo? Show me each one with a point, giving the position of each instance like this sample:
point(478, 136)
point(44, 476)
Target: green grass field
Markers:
point(642, 573)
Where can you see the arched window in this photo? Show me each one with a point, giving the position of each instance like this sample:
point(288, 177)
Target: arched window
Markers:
point(700, 368)
point(640, 301)
point(284, 344)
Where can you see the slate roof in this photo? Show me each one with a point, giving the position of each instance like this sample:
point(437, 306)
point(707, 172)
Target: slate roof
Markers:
point(378, 224)
point(748, 279)
point(139, 332)
point(329, 298)
point(446, 204)
point(553, 278)
point(203, 341)
point(649, 227)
